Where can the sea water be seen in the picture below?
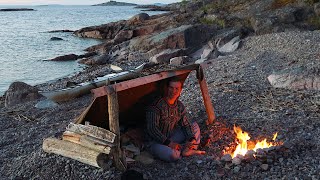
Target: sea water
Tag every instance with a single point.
(25, 42)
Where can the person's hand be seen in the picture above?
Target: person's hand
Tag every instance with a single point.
(174, 146)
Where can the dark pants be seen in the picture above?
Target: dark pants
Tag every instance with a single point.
(165, 153)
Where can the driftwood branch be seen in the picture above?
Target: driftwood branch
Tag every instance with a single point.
(93, 131)
(87, 141)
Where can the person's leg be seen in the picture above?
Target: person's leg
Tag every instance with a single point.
(179, 137)
(164, 152)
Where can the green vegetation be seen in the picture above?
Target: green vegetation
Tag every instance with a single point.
(213, 6)
(315, 21)
(281, 3)
(311, 2)
(184, 2)
(208, 21)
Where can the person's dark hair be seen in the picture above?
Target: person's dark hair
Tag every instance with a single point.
(174, 79)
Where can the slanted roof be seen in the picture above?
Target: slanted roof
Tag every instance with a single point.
(133, 96)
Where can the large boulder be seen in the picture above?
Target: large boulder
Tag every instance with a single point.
(97, 60)
(316, 8)
(68, 57)
(122, 36)
(106, 31)
(166, 55)
(299, 78)
(185, 36)
(20, 92)
(138, 18)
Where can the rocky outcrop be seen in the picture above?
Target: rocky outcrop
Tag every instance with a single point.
(17, 9)
(166, 55)
(107, 31)
(56, 39)
(300, 78)
(68, 57)
(192, 24)
(20, 92)
(139, 18)
(115, 3)
(185, 36)
(97, 60)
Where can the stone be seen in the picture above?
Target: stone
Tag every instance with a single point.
(68, 57)
(20, 92)
(144, 158)
(105, 31)
(177, 61)
(299, 78)
(123, 36)
(264, 166)
(236, 161)
(139, 18)
(316, 8)
(199, 161)
(236, 169)
(185, 36)
(97, 60)
(56, 39)
(226, 158)
(166, 55)
(44, 104)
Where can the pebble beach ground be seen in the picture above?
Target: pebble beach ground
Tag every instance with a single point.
(241, 94)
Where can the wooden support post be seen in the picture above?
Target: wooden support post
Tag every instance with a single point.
(113, 109)
(205, 95)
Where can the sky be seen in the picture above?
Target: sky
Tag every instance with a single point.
(79, 2)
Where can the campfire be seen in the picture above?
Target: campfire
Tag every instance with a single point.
(245, 144)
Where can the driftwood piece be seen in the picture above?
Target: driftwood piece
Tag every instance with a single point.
(205, 95)
(89, 142)
(113, 109)
(75, 151)
(93, 131)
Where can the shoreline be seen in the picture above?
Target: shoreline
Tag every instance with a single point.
(74, 76)
(238, 85)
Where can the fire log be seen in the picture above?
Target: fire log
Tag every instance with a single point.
(93, 131)
(75, 151)
(87, 141)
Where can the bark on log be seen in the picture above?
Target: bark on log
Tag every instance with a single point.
(75, 151)
(205, 95)
(88, 142)
(113, 109)
(93, 131)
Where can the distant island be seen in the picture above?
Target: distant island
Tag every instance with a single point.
(17, 9)
(115, 3)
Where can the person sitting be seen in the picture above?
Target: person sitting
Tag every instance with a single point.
(168, 126)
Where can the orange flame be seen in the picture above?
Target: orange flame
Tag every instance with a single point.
(243, 137)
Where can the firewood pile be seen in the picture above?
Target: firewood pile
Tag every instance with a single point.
(86, 143)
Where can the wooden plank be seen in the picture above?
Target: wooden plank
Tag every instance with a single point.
(87, 141)
(113, 109)
(102, 91)
(93, 131)
(71, 136)
(75, 151)
(205, 95)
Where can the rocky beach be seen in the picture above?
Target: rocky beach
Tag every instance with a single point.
(269, 83)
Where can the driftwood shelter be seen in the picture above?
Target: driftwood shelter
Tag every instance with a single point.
(96, 132)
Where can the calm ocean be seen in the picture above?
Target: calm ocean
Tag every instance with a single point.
(25, 43)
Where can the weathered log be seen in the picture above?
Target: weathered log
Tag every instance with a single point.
(89, 142)
(93, 131)
(75, 151)
(205, 95)
(113, 109)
